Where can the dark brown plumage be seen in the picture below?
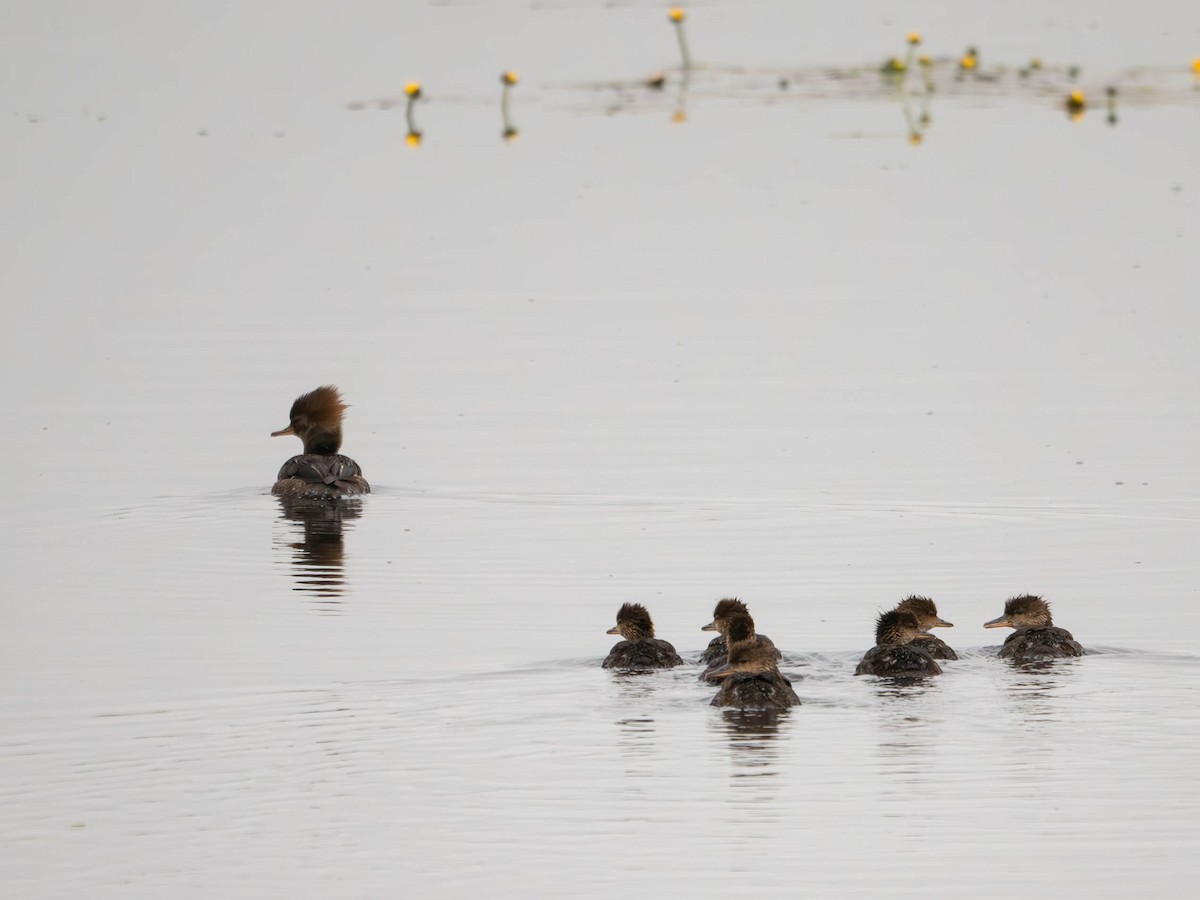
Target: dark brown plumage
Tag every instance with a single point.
(751, 679)
(894, 654)
(717, 651)
(640, 649)
(1036, 636)
(927, 617)
(320, 472)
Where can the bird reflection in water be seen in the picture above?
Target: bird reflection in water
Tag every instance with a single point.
(637, 740)
(903, 688)
(318, 559)
(1035, 688)
(637, 735)
(753, 736)
(909, 734)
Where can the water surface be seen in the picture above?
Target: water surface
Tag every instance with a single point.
(776, 350)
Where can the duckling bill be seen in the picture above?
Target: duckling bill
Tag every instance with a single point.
(751, 679)
(640, 649)
(1036, 635)
(320, 472)
(896, 653)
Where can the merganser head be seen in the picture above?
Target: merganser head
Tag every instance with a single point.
(316, 418)
(633, 623)
(739, 629)
(925, 610)
(721, 613)
(897, 626)
(1026, 611)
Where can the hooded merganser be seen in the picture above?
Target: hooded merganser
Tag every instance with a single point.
(1036, 636)
(717, 651)
(640, 649)
(738, 630)
(927, 617)
(750, 679)
(895, 654)
(320, 472)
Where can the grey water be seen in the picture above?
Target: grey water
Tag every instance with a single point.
(664, 347)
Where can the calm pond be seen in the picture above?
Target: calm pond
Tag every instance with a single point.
(791, 329)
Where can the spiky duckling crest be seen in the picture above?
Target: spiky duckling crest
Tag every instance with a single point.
(726, 608)
(1028, 611)
(925, 610)
(896, 627)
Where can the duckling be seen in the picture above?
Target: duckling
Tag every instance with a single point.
(895, 653)
(927, 617)
(1036, 636)
(717, 650)
(320, 472)
(750, 679)
(739, 632)
(640, 649)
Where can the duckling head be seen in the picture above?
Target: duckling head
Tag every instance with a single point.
(633, 622)
(925, 610)
(721, 613)
(1026, 611)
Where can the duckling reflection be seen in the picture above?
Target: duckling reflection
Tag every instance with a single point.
(1036, 692)
(751, 679)
(754, 740)
(320, 472)
(927, 617)
(637, 739)
(640, 649)
(717, 651)
(318, 559)
(894, 654)
(1036, 636)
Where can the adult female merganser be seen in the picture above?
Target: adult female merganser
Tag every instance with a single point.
(320, 472)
